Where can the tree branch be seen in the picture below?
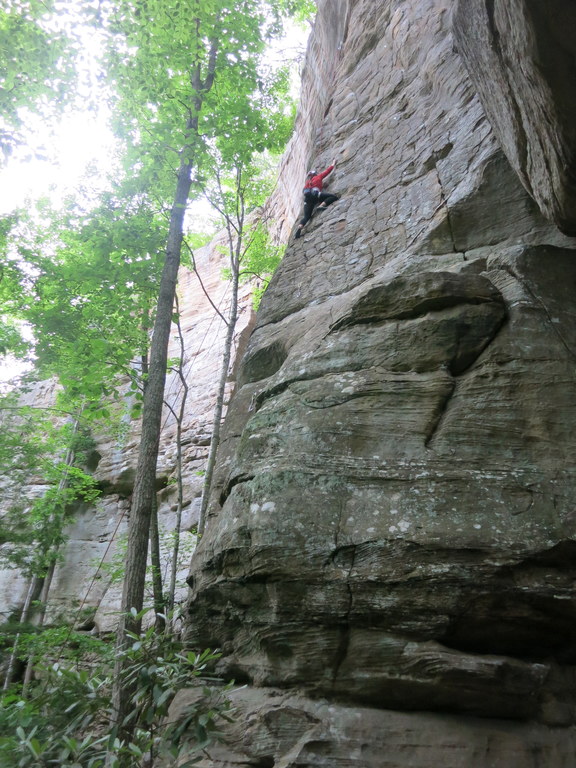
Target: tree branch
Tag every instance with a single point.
(204, 290)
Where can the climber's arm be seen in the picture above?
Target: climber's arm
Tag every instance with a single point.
(327, 171)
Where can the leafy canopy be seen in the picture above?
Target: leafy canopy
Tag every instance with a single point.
(158, 58)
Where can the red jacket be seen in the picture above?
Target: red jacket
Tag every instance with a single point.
(316, 181)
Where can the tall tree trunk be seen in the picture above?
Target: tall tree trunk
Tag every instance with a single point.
(144, 485)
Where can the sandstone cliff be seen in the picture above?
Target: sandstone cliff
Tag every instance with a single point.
(389, 558)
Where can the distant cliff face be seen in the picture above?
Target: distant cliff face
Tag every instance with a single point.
(93, 550)
(391, 552)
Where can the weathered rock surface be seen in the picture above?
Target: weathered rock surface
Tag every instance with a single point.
(522, 59)
(393, 525)
(275, 728)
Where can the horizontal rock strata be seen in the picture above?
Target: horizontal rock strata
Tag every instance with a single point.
(276, 728)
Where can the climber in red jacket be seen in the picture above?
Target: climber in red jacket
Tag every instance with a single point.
(314, 196)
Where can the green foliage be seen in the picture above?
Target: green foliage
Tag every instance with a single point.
(158, 667)
(11, 293)
(86, 281)
(299, 10)
(11, 341)
(246, 187)
(26, 438)
(159, 57)
(62, 643)
(87, 285)
(194, 241)
(47, 728)
(189, 90)
(63, 720)
(32, 446)
(260, 261)
(46, 520)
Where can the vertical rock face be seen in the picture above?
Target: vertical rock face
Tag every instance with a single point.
(522, 59)
(392, 539)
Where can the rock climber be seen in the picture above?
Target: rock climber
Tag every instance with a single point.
(314, 196)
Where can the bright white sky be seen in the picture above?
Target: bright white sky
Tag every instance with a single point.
(56, 157)
(55, 166)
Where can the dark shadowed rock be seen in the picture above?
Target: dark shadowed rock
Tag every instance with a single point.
(521, 56)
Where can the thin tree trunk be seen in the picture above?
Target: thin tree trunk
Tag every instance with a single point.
(158, 597)
(34, 589)
(217, 421)
(179, 421)
(156, 566)
(44, 594)
(235, 245)
(39, 586)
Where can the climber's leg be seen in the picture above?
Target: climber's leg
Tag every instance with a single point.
(326, 199)
(309, 204)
